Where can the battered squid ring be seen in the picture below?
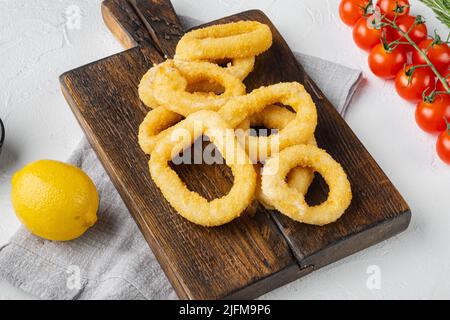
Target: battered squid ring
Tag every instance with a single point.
(292, 203)
(276, 117)
(241, 39)
(145, 88)
(190, 204)
(241, 67)
(157, 124)
(172, 78)
(160, 118)
(298, 178)
(154, 125)
(238, 67)
(298, 130)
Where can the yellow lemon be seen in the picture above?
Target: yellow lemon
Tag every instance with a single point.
(54, 200)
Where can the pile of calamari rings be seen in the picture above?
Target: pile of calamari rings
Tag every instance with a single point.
(202, 87)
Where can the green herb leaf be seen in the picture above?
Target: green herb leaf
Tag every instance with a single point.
(441, 8)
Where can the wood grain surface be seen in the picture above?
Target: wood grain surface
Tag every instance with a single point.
(263, 249)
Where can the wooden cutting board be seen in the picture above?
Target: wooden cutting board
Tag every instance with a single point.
(262, 250)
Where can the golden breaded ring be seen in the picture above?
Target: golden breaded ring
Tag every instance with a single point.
(292, 203)
(298, 178)
(241, 67)
(172, 78)
(272, 117)
(145, 88)
(190, 204)
(160, 118)
(238, 67)
(241, 39)
(153, 126)
(276, 117)
(301, 178)
(298, 130)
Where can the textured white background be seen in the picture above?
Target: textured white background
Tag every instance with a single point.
(36, 47)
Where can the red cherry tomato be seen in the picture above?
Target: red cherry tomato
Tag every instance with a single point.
(440, 86)
(438, 53)
(418, 33)
(411, 86)
(387, 7)
(386, 64)
(351, 10)
(430, 115)
(365, 34)
(443, 146)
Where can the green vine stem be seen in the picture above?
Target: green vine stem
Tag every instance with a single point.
(425, 57)
(416, 47)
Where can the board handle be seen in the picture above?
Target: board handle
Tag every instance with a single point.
(145, 23)
(162, 23)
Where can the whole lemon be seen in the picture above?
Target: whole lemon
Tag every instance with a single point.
(54, 200)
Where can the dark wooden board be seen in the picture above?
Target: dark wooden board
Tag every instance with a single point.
(262, 250)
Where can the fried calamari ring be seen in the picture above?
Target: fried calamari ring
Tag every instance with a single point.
(292, 203)
(160, 118)
(190, 204)
(145, 88)
(241, 67)
(298, 130)
(152, 128)
(276, 117)
(241, 39)
(298, 178)
(273, 117)
(238, 67)
(172, 78)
